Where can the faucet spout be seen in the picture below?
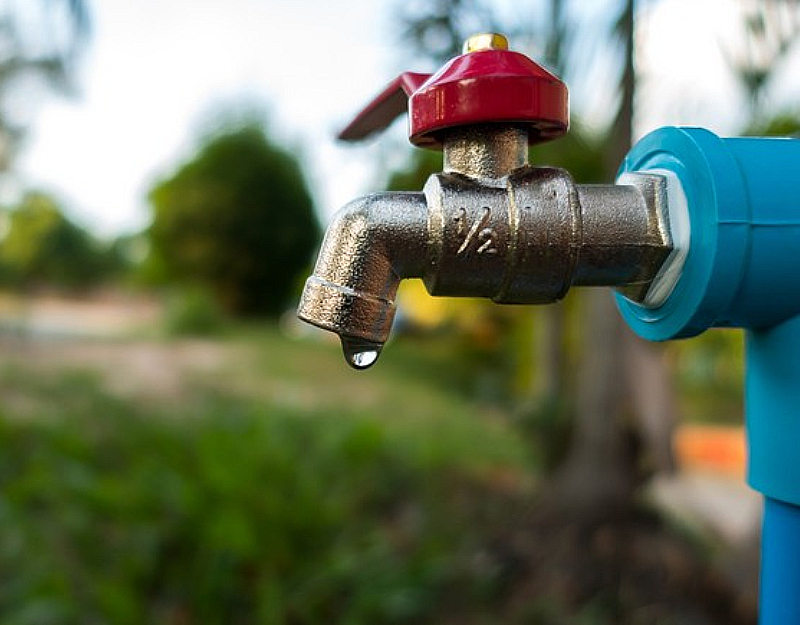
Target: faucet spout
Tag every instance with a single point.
(525, 237)
(371, 244)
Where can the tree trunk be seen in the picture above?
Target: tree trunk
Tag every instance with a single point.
(652, 396)
(549, 346)
(596, 474)
(549, 321)
(605, 465)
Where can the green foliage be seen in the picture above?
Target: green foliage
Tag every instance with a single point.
(412, 177)
(235, 511)
(304, 493)
(708, 373)
(548, 425)
(784, 124)
(580, 152)
(43, 248)
(237, 218)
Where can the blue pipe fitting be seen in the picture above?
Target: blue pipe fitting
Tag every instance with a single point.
(742, 271)
(743, 197)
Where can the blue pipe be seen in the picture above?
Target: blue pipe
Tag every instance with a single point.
(743, 271)
(780, 564)
(772, 409)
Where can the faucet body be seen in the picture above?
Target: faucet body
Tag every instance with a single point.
(489, 225)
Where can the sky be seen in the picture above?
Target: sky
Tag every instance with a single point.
(156, 70)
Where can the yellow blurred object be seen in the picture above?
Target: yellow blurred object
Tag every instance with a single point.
(420, 308)
(426, 312)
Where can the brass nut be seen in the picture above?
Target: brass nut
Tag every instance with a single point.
(485, 41)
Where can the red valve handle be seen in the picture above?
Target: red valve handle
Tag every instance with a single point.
(485, 86)
(385, 108)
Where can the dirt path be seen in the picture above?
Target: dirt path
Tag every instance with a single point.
(135, 369)
(102, 335)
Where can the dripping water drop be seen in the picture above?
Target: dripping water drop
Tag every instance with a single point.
(362, 360)
(360, 354)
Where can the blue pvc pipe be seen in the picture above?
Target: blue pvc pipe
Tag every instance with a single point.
(780, 564)
(743, 271)
(772, 410)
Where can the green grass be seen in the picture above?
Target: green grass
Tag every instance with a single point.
(284, 488)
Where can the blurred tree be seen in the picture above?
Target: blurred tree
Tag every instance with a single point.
(624, 386)
(237, 218)
(544, 381)
(781, 125)
(624, 390)
(596, 473)
(39, 45)
(557, 37)
(41, 247)
(437, 30)
(769, 30)
(583, 157)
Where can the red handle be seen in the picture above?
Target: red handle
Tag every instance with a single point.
(385, 108)
(484, 86)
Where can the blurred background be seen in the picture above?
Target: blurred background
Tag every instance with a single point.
(176, 448)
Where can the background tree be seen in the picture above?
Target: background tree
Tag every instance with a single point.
(597, 472)
(40, 42)
(437, 30)
(582, 155)
(769, 29)
(237, 218)
(42, 248)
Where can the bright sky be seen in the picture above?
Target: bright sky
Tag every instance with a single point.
(155, 68)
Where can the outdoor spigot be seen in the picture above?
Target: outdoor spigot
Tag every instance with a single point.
(489, 225)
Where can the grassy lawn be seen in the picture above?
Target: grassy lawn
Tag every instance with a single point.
(253, 478)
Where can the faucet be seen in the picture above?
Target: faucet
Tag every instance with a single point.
(490, 224)
(698, 232)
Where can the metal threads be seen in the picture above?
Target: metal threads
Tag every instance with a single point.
(489, 151)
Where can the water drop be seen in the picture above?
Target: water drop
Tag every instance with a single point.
(360, 354)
